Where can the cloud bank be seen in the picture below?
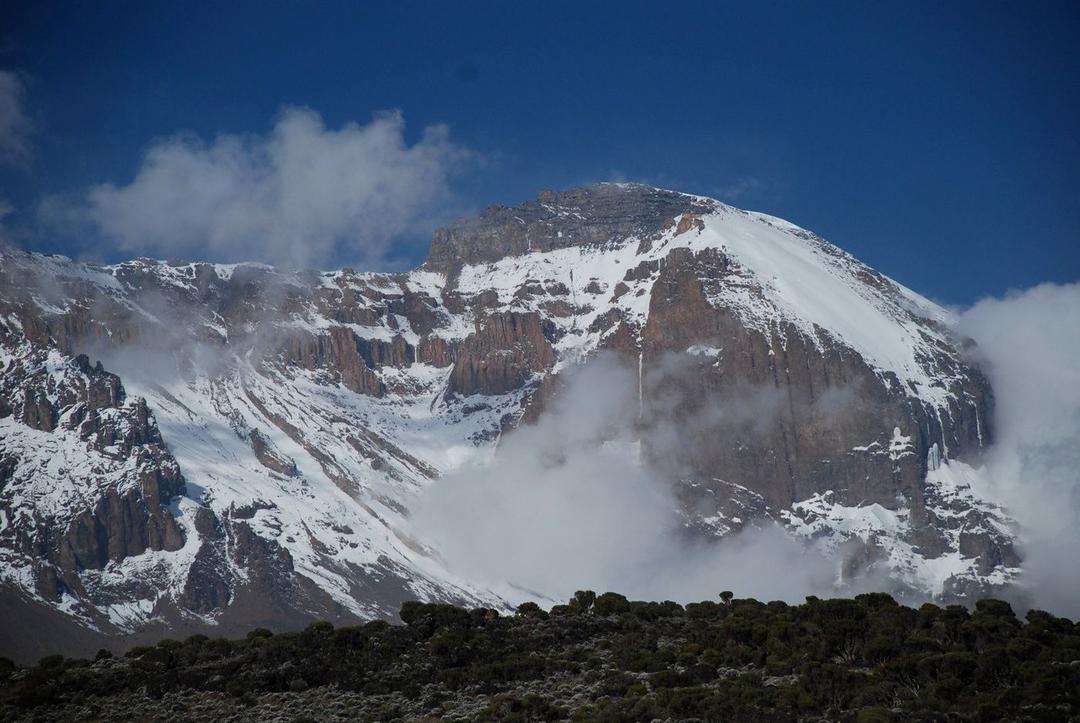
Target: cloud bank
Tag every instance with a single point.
(564, 505)
(15, 125)
(301, 195)
(1029, 345)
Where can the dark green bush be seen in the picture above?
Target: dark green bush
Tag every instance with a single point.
(862, 659)
(611, 603)
(531, 610)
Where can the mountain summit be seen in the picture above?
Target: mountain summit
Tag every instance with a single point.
(247, 449)
(605, 214)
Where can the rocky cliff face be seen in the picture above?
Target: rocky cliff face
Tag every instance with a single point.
(601, 216)
(267, 430)
(86, 479)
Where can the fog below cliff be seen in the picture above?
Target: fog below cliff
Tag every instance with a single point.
(565, 504)
(1029, 345)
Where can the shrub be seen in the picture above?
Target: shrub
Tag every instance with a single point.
(705, 609)
(531, 610)
(319, 629)
(611, 603)
(51, 661)
(426, 618)
(863, 659)
(582, 601)
(877, 600)
(995, 608)
(669, 679)
(875, 715)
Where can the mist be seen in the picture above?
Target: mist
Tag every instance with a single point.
(1029, 345)
(565, 504)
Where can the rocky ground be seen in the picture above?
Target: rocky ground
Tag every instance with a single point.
(596, 658)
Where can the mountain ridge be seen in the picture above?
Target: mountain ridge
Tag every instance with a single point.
(305, 410)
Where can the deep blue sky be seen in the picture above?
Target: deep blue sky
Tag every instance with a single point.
(938, 142)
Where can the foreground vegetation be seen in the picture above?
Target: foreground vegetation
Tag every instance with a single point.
(596, 658)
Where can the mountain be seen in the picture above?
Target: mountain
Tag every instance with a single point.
(247, 448)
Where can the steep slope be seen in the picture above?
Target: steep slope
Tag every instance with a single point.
(281, 497)
(268, 430)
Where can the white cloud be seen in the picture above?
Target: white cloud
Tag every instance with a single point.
(15, 126)
(564, 505)
(303, 194)
(1029, 344)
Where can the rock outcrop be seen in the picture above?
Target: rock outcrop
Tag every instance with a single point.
(86, 470)
(601, 215)
(505, 352)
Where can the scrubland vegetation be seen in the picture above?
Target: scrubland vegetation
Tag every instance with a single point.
(595, 658)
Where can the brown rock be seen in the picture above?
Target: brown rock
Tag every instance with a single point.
(435, 350)
(687, 222)
(554, 220)
(269, 456)
(505, 351)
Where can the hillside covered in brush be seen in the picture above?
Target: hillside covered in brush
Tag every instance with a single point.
(596, 658)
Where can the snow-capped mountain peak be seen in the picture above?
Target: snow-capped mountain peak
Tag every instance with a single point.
(258, 453)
